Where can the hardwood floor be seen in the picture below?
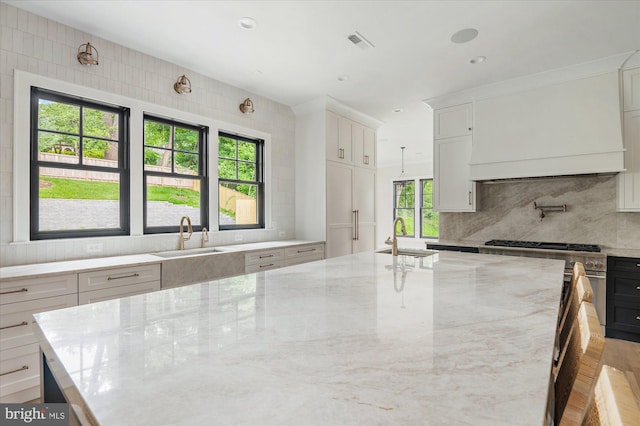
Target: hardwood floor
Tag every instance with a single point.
(624, 356)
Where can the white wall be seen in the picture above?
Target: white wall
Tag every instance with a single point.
(42, 47)
(384, 200)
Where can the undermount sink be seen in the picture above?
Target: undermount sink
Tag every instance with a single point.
(187, 252)
(410, 252)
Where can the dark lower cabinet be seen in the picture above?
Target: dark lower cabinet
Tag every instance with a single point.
(623, 298)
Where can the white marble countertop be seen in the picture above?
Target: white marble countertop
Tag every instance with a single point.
(449, 339)
(79, 265)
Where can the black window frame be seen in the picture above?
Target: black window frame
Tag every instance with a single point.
(396, 197)
(38, 93)
(259, 182)
(202, 175)
(422, 207)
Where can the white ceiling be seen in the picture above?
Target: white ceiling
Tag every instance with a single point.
(300, 48)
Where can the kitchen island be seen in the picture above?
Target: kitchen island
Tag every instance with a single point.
(451, 338)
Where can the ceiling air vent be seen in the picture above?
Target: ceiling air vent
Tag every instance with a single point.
(360, 41)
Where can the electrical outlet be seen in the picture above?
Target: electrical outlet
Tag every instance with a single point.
(238, 237)
(94, 248)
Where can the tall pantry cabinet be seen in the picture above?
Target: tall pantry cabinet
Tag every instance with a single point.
(335, 177)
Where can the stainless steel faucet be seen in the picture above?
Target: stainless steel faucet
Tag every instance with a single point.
(394, 242)
(204, 237)
(189, 229)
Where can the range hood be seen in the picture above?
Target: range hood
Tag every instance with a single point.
(569, 128)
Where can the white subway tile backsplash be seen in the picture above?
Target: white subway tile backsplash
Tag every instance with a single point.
(42, 46)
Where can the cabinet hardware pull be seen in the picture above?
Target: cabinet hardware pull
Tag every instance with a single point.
(14, 325)
(340, 152)
(124, 276)
(22, 290)
(366, 159)
(266, 266)
(469, 197)
(306, 250)
(24, 367)
(355, 225)
(265, 256)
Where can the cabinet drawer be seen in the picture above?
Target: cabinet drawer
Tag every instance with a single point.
(626, 318)
(117, 277)
(12, 291)
(20, 370)
(266, 256)
(117, 292)
(303, 251)
(16, 320)
(626, 264)
(265, 266)
(626, 287)
(304, 259)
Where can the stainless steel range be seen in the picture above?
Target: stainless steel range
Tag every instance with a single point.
(595, 262)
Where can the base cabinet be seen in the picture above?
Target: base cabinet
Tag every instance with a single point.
(19, 351)
(623, 298)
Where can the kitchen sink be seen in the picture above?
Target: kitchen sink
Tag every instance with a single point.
(187, 252)
(410, 252)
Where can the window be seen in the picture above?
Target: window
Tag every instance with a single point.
(429, 222)
(404, 204)
(79, 167)
(175, 179)
(240, 182)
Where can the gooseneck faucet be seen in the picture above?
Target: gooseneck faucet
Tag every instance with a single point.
(189, 229)
(204, 237)
(394, 242)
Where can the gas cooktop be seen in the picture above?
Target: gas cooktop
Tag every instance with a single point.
(544, 246)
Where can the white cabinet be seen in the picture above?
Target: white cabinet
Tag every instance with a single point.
(339, 147)
(629, 180)
(453, 191)
(19, 355)
(631, 89)
(364, 202)
(96, 286)
(364, 145)
(452, 121)
(350, 209)
(335, 176)
(349, 142)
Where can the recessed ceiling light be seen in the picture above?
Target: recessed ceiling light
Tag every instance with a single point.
(343, 78)
(477, 60)
(397, 110)
(247, 23)
(464, 36)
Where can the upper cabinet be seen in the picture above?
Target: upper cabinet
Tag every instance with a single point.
(453, 190)
(631, 89)
(453, 121)
(350, 142)
(629, 180)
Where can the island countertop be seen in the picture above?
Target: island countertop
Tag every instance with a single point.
(452, 338)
